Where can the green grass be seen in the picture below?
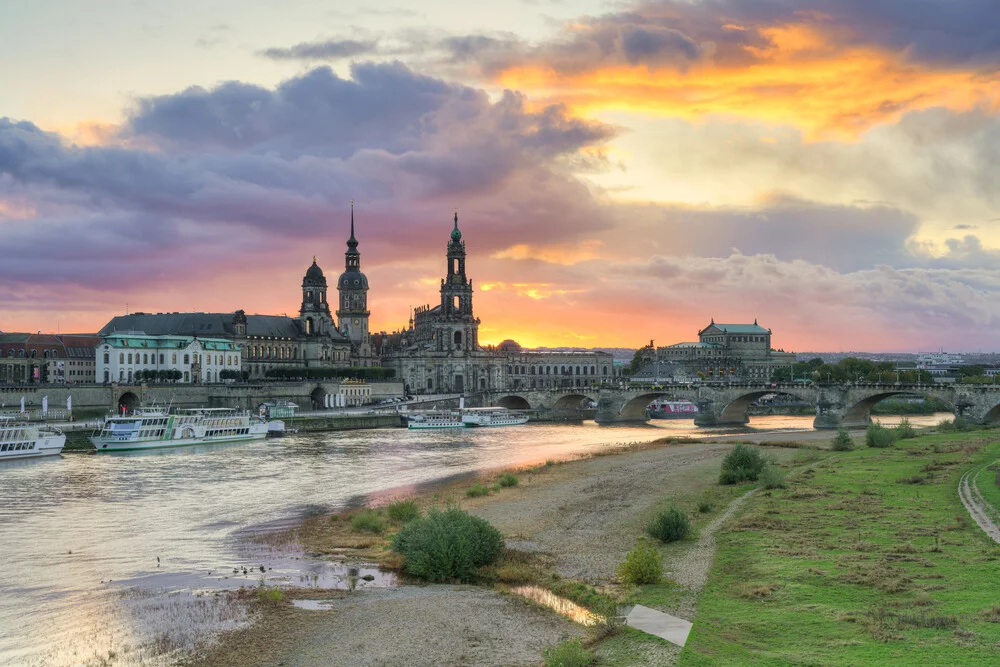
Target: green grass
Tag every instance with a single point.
(507, 480)
(368, 521)
(403, 511)
(477, 490)
(849, 567)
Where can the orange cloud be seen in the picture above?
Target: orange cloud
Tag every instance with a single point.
(802, 75)
(566, 254)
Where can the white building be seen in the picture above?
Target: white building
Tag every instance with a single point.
(120, 356)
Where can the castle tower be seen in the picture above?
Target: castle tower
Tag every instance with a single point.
(315, 311)
(353, 288)
(458, 329)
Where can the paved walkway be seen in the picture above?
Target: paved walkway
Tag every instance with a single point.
(671, 628)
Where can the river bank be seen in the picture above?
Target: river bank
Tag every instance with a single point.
(570, 525)
(867, 557)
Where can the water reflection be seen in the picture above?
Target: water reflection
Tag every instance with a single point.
(79, 532)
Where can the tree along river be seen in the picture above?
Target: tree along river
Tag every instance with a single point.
(116, 559)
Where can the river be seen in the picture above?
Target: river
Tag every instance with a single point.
(115, 559)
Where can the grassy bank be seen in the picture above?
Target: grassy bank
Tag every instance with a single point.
(868, 557)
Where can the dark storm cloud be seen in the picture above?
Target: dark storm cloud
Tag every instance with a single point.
(273, 167)
(332, 49)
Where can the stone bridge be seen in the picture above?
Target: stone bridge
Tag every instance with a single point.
(836, 405)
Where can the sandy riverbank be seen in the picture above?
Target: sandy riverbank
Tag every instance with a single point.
(583, 515)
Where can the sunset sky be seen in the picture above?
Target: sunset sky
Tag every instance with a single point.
(622, 171)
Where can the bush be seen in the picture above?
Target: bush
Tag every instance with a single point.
(448, 545)
(368, 521)
(879, 436)
(705, 507)
(905, 430)
(772, 478)
(669, 526)
(642, 565)
(743, 463)
(508, 480)
(842, 442)
(403, 511)
(568, 654)
(477, 490)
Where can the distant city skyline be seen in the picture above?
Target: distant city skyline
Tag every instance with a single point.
(623, 170)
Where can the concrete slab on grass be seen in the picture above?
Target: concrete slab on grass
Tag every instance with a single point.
(671, 628)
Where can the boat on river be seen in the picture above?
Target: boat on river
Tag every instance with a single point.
(672, 409)
(467, 417)
(21, 440)
(435, 419)
(475, 417)
(150, 428)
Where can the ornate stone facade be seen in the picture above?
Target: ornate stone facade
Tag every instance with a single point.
(440, 351)
(724, 351)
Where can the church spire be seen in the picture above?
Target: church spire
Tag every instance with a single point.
(456, 234)
(352, 242)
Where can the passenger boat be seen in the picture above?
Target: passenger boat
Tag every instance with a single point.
(149, 428)
(672, 409)
(435, 419)
(493, 417)
(20, 440)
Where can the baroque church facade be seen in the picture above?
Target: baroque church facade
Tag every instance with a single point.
(438, 353)
(269, 342)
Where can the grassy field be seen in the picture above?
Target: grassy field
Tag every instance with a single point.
(868, 558)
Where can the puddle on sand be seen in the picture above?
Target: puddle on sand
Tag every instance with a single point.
(561, 606)
(313, 605)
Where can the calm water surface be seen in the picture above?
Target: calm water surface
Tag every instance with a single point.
(80, 583)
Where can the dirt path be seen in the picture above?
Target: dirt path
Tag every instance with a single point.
(982, 512)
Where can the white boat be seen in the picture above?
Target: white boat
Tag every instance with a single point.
(493, 417)
(20, 440)
(148, 428)
(435, 419)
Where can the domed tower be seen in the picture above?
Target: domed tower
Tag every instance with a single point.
(353, 287)
(458, 328)
(315, 311)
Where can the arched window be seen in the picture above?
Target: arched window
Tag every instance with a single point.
(458, 338)
(145, 358)
(593, 370)
(130, 357)
(107, 358)
(604, 370)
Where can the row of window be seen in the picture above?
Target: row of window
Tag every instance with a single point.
(21, 354)
(555, 370)
(220, 359)
(735, 339)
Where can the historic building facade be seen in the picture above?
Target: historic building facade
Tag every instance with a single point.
(440, 351)
(741, 351)
(268, 342)
(124, 357)
(54, 358)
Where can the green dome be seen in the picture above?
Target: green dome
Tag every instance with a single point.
(456, 234)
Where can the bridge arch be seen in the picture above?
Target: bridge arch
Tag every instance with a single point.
(735, 410)
(859, 413)
(571, 402)
(635, 409)
(514, 402)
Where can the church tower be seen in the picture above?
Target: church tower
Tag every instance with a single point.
(315, 311)
(458, 329)
(353, 287)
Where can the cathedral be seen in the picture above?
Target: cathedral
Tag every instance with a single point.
(438, 353)
(267, 342)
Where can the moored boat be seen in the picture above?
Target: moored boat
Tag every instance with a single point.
(20, 440)
(672, 409)
(474, 417)
(149, 428)
(435, 419)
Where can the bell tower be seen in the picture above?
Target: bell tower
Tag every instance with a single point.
(315, 311)
(458, 329)
(352, 314)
